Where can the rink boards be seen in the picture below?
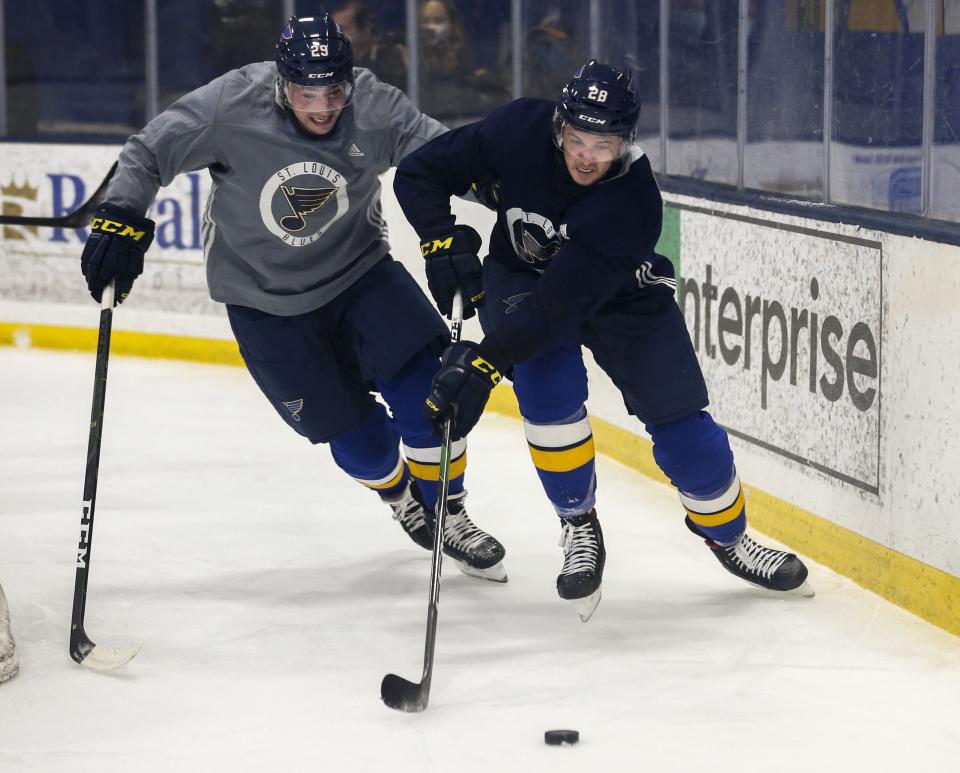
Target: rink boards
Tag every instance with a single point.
(828, 350)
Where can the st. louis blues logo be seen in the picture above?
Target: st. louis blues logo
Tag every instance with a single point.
(513, 302)
(294, 406)
(534, 237)
(301, 201)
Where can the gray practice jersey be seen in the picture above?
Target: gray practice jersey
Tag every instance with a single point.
(291, 220)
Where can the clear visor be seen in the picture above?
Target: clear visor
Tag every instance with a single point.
(588, 147)
(317, 99)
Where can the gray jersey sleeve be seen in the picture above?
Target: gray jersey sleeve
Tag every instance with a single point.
(180, 139)
(409, 127)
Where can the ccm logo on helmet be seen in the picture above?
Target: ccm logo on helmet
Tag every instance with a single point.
(319, 74)
(591, 119)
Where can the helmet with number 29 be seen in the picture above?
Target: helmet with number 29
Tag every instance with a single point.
(314, 65)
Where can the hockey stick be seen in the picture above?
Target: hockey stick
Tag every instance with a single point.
(82, 650)
(397, 692)
(79, 218)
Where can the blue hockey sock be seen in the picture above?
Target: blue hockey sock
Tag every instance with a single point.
(563, 454)
(404, 394)
(370, 454)
(694, 453)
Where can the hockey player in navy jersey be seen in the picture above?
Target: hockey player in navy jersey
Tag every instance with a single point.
(572, 262)
(295, 246)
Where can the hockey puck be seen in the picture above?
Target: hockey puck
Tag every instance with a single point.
(561, 737)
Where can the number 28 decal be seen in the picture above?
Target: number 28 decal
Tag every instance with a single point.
(597, 94)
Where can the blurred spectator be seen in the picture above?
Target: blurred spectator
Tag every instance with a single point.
(549, 55)
(382, 54)
(241, 31)
(451, 88)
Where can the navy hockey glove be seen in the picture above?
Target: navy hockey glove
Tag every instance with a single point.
(114, 250)
(487, 193)
(452, 264)
(461, 387)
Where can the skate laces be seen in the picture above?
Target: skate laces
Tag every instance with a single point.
(410, 513)
(756, 558)
(580, 548)
(461, 533)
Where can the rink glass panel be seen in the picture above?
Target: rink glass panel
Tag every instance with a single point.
(555, 41)
(83, 72)
(945, 203)
(464, 59)
(702, 120)
(784, 149)
(629, 36)
(198, 42)
(74, 69)
(877, 129)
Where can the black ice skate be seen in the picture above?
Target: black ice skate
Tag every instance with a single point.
(475, 552)
(409, 512)
(764, 567)
(584, 556)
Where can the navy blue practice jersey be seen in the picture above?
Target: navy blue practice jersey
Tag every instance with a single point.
(587, 243)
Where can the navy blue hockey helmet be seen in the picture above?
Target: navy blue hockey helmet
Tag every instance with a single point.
(313, 53)
(599, 99)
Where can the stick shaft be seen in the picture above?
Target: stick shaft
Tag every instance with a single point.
(92, 468)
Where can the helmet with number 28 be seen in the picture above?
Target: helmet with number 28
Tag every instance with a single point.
(314, 65)
(601, 100)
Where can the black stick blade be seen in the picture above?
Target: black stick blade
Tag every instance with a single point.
(403, 695)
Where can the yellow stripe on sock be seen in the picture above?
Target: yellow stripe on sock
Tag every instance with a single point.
(432, 471)
(565, 460)
(721, 517)
(390, 483)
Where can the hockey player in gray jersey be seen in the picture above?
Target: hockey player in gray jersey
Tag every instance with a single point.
(295, 246)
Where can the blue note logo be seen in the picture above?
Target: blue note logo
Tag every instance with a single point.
(294, 406)
(302, 200)
(534, 237)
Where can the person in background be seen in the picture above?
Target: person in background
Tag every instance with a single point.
(295, 246)
(381, 54)
(452, 89)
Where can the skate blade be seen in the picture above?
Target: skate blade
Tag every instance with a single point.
(586, 606)
(495, 573)
(805, 589)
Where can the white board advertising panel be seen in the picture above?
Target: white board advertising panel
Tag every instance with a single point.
(787, 324)
(43, 264)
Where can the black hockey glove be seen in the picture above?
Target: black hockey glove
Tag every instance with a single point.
(452, 264)
(461, 388)
(114, 250)
(487, 193)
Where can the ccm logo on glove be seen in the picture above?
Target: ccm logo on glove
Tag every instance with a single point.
(452, 264)
(429, 247)
(103, 225)
(461, 387)
(487, 369)
(114, 250)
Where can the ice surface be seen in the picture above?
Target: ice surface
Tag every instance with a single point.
(271, 594)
